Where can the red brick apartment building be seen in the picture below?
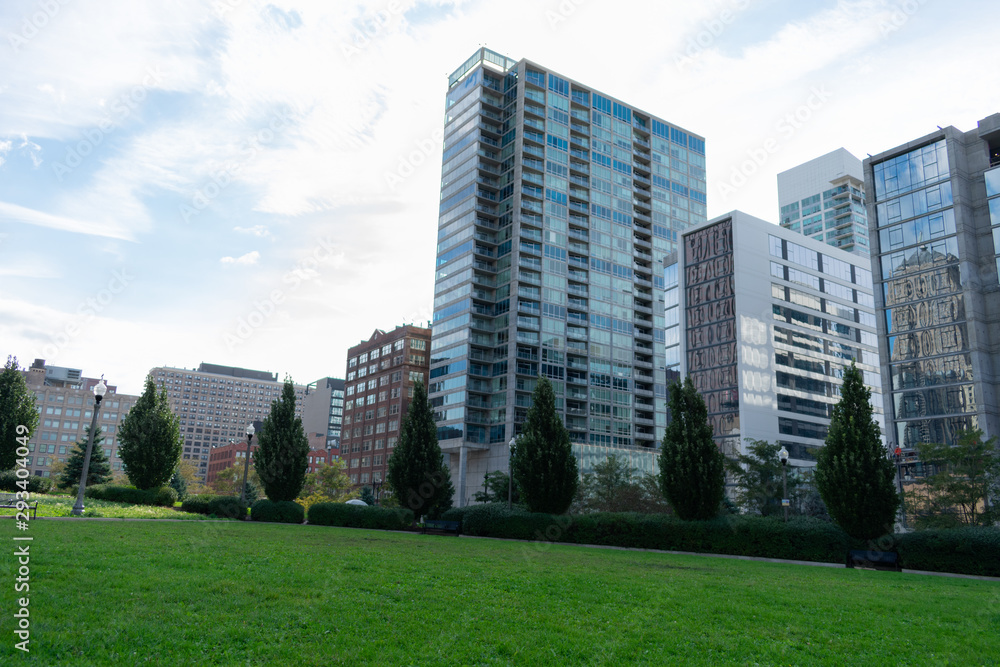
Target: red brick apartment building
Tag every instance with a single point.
(380, 376)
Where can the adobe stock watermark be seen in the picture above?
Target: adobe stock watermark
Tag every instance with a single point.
(35, 23)
(119, 109)
(786, 127)
(265, 308)
(711, 30)
(901, 13)
(221, 179)
(371, 28)
(408, 164)
(87, 311)
(562, 12)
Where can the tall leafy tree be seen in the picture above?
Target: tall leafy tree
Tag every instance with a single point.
(544, 467)
(17, 408)
(99, 470)
(853, 472)
(692, 475)
(150, 440)
(963, 480)
(281, 459)
(758, 476)
(416, 472)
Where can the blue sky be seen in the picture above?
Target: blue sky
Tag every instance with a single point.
(216, 180)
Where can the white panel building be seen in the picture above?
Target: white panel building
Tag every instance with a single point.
(764, 321)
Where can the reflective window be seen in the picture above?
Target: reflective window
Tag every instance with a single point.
(912, 170)
(934, 371)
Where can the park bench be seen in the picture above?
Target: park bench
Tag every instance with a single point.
(442, 527)
(874, 560)
(9, 501)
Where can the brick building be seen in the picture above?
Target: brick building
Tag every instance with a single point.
(379, 382)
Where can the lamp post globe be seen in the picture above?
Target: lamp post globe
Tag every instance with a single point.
(100, 389)
(246, 463)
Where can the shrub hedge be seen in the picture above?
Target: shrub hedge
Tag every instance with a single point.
(225, 507)
(961, 551)
(162, 497)
(9, 480)
(284, 511)
(357, 516)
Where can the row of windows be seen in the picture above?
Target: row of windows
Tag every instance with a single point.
(415, 344)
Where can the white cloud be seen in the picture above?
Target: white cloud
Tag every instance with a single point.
(249, 258)
(257, 230)
(20, 214)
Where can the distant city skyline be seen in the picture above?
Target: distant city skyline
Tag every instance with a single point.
(257, 185)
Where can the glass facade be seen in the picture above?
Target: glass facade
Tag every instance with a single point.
(558, 205)
(930, 368)
(833, 208)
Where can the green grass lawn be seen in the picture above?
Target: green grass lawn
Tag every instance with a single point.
(61, 505)
(234, 593)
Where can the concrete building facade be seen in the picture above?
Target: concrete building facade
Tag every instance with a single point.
(824, 199)
(934, 218)
(65, 401)
(558, 204)
(380, 375)
(215, 403)
(764, 321)
(323, 413)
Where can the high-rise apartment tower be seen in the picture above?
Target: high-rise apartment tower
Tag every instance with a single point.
(558, 205)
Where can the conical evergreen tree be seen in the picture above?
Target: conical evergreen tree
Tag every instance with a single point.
(853, 472)
(18, 416)
(99, 470)
(692, 469)
(545, 469)
(150, 440)
(415, 471)
(281, 459)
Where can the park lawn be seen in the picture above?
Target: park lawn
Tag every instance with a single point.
(227, 593)
(61, 505)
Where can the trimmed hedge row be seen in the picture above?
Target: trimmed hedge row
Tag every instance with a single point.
(284, 511)
(161, 497)
(800, 539)
(962, 551)
(356, 516)
(36, 484)
(225, 507)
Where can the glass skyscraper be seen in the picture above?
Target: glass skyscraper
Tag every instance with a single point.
(558, 206)
(934, 215)
(824, 199)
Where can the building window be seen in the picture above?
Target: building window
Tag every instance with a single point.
(394, 425)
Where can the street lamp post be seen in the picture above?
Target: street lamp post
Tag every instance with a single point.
(783, 455)
(246, 465)
(99, 390)
(510, 471)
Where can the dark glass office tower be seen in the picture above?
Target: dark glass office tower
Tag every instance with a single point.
(934, 217)
(558, 205)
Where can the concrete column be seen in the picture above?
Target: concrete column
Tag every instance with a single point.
(463, 460)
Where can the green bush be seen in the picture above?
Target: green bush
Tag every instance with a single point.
(968, 550)
(358, 516)
(284, 511)
(197, 504)
(226, 507)
(162, 497)
(9, 480)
